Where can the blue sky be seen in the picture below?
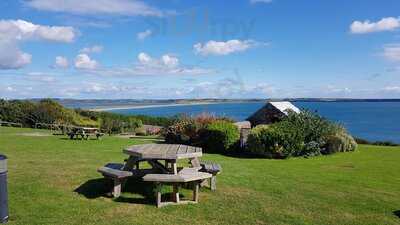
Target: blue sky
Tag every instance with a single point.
(199, 49)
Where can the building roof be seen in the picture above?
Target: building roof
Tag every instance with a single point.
(285, 107)
(272, 112)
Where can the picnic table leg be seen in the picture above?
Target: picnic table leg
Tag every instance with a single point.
(213, 183)
(196, 192)
(174, 167)
(175, 194)
(158, 194)
(130, 163)
(137, 165)
(117, 188)
(167, 164)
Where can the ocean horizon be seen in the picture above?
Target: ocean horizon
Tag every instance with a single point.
(373, 121)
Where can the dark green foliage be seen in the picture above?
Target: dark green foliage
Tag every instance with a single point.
(50, 112)
(267, 141)
(312, 148)
(148, 120)
(140, 131)
(183, 131)
(205, 130)
(379, 143)
(299, 134)
(220, 136)
(112, 123)
(155, 120)
(275, 141)
(46, 111)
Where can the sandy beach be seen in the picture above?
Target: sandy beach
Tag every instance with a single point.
(99, 109)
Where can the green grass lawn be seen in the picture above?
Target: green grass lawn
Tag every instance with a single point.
(349, 188)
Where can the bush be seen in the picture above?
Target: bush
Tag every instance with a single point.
(273, 141)
(340, 142)
(220, 136)
(140, 131)
(44, 111)
(312, 148)
(379, 143)
(266, 141)
(112, 123)
(299, 134)
(186, 130)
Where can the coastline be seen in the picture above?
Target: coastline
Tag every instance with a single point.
(102, 109)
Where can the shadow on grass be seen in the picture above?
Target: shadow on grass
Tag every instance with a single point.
(243, 155)
(397, 213)
(102, 187)
(95, 188)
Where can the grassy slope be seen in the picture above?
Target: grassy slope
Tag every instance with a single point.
(351, 188)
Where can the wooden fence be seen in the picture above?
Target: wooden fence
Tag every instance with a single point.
(10, 124)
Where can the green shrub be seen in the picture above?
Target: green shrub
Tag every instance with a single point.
(273, 141)
(340, 142)
(140, 131)
(299, 134)
(44, 111)
(183, 131)
(312, 148)
(220, 136)
(379, 143)
(186, 130)
(310, 126)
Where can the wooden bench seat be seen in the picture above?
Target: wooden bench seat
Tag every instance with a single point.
(211, 167)
(179, 178)
(214, 169)
(186, 175)
(115, 172)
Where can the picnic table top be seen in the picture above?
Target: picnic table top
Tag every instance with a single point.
(163, 151)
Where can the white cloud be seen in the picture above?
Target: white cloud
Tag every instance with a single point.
(331, 89)
(61, 62)
(167, 64)
(260, 1)
(170, 61)
(224, 48)
(83, 61)
(93, 49)
(21, 30)
(97, 7)
(11, 57)
(95, 88)
(392, 52)
(392, 89)
(41, 77)
(385, 24)
(143, 35)
(10, 89)
(12, 32)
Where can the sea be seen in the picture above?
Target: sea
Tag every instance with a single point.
(373, 121)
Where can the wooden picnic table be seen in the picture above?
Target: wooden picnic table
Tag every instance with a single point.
(84, 132)
(161, 173)
(152, 153)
